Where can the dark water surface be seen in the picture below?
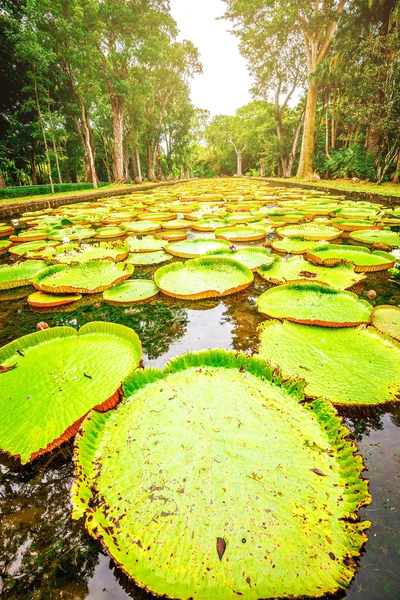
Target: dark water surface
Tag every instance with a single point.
(44, 554)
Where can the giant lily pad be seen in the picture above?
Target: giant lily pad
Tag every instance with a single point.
(297, 269)
(213, 480)
(43, 300)
(20, 274)
(58, 375)
(194, 248)
(351, 366)
(208, 224)
(31, 247)
(70, 254)
(149, 243)
(385, 238)
(130, 292)
(206, 277)
(4, 246)
(354, 224)
(314, 304)
(386, 318)
(242, 233)
(294, 245)
(142, 226)
(71, 233)
(252, 256)
(310, 231)
(86, 278)
(363, 260)
(149, 258)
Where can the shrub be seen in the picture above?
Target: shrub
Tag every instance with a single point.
(35, 190)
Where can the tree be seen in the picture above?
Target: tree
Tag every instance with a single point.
(316, 22)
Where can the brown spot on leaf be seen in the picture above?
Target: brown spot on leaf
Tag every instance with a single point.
(318, 472)
(221, 546)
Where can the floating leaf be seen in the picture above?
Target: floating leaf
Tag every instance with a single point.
(200, 483)
(86, 278)
(357, 366)
(44, 400)
(314, 304)
(207, 277)
(363, 260)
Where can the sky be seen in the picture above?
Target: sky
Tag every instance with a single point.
(224, 85)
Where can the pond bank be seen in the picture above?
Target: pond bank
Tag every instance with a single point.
(349, 194)
(15, 208)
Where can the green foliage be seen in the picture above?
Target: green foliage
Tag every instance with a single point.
(38, 190)
(354, 161)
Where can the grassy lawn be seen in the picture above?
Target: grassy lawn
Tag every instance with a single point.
(386, 189)
(83, 193)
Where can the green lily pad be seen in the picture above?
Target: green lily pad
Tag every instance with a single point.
(242, 233)
(386, 318)
(59, 375)
(86, 278)
(70, 254)
(350, 366)
(6, 230)
(141, 226)
(294, 245)
(213, 480)
(314, 304)
(148, 258)
(194, 248)
(149, 243)
(176, 224)
(31, 247)
(4, 246)
(71, 233)
(206, 277)
(298, 269)
(110, 232)
(353, 224)
(20, 274)
(43, 300)
(208, 224)
(29, 236)
(252, 256)
(309, 231)
(130, 292)
(383, 238)
(363, 260)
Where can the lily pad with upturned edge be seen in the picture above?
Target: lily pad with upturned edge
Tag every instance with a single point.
(213, 479)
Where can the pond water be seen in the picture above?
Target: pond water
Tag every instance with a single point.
(44, 554)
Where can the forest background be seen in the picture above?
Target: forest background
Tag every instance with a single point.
(98, 91)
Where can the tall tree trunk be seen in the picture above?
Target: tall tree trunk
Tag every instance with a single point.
(262, 167)
(137, 170)
(127, 174)
(327, 146)
(86, 137)
(295, 143)
(118, 137)
(305, 170)
(239, 163)
(333, 120)
(42, 128)
(32, 161)
(57, 161)
(151, 175)
(2, 182)
(396, 178)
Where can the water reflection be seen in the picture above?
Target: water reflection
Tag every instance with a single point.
(41, 547)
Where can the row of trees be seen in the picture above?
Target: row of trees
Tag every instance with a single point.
(344, 56)
(95, 90)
